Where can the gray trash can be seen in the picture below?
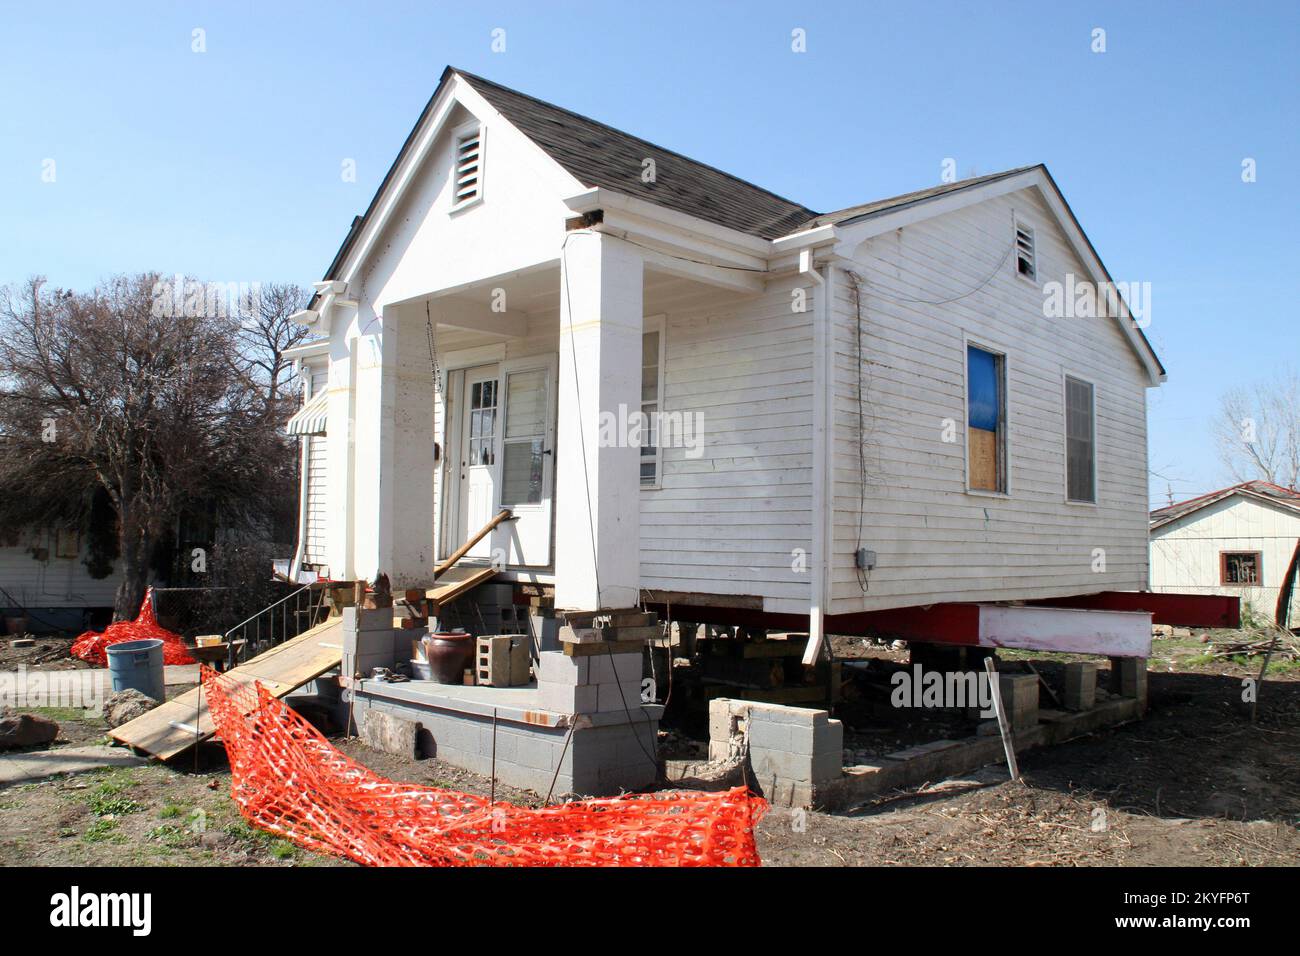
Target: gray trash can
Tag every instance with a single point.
(138, 664)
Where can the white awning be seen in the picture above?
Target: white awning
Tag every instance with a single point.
(310, 419)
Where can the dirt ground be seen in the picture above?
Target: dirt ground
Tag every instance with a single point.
(1194, 784)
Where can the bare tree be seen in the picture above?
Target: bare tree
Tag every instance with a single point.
(106, 389)
(1258, 431)
(265, 334)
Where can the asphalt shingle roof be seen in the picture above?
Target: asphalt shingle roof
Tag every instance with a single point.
(1284, 496)
(600, 155)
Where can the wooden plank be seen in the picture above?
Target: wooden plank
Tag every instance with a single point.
(183, 721)
(674, 599)
(456, 582)
(984, 459)
(500, 516)
(602, 647)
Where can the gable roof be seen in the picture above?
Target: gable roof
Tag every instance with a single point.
(1264, 491)
(599, 155)
(894, 203)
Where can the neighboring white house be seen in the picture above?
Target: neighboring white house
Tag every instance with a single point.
(43, 571)
(884, 379)
(1238, 540)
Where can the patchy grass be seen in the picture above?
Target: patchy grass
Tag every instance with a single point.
(61, 714)
(278, 848)
(103, 831)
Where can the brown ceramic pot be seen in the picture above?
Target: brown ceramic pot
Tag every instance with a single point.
(450, 653)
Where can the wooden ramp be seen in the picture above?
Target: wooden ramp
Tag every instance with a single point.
(182, 722)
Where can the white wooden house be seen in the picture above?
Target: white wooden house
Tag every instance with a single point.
(1237, 541)
(43, 571)
(862, 410)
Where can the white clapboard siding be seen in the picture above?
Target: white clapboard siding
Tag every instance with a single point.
(934, 541)
(1185, 553)
(731, 519)
(317, 532)
(54, 582)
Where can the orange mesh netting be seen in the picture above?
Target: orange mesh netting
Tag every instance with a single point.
(288, 779)
(91, 645)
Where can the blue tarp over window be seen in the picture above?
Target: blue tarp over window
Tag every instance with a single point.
(982, 388)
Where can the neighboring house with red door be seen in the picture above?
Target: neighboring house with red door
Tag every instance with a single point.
(866, 409)
(1238, 540)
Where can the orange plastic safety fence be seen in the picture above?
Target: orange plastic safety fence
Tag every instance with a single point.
(289, 780)
(91, 646)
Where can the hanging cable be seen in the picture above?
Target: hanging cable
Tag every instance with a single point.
(433, 350)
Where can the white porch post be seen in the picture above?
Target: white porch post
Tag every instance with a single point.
(407, 472)
(598, 497)
(340, 473)
(372, 444)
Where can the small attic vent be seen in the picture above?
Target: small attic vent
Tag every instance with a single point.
(1025, 264)
(469, 168)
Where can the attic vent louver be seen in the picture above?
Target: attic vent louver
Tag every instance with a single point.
(1025, 264)
(469, 168)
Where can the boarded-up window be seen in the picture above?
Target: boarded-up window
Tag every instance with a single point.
(986, 420)
(1080, 442)
(1240, 567)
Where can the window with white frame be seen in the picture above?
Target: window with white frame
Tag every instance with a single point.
(986, 420)
(1080, 441)
(652, 388)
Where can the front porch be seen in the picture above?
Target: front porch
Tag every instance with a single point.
(521, 391)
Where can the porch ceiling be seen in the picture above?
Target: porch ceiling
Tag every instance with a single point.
(536, 295)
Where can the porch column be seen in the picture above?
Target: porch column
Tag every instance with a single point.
(370, 443)
(598, 484)
(407, 470)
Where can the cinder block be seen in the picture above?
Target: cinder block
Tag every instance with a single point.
(618, 696)
(569, 698)
(1128, 678)
(389, 733)
(1080, 685)
(1019, 699)
(556, 667)
(782, 714)
(521, 659)
(781, 764)
(827, 766)
(609, 667)
(363, 619)
(492, 660)
(767, 735)
(722, 726)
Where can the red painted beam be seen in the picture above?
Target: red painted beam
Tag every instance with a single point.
(1180, 610)
(936, 624)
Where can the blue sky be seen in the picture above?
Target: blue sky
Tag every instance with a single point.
(226, 164)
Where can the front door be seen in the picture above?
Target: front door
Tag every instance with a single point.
(478, 456)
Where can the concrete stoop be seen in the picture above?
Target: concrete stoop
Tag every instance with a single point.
(581, 728)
